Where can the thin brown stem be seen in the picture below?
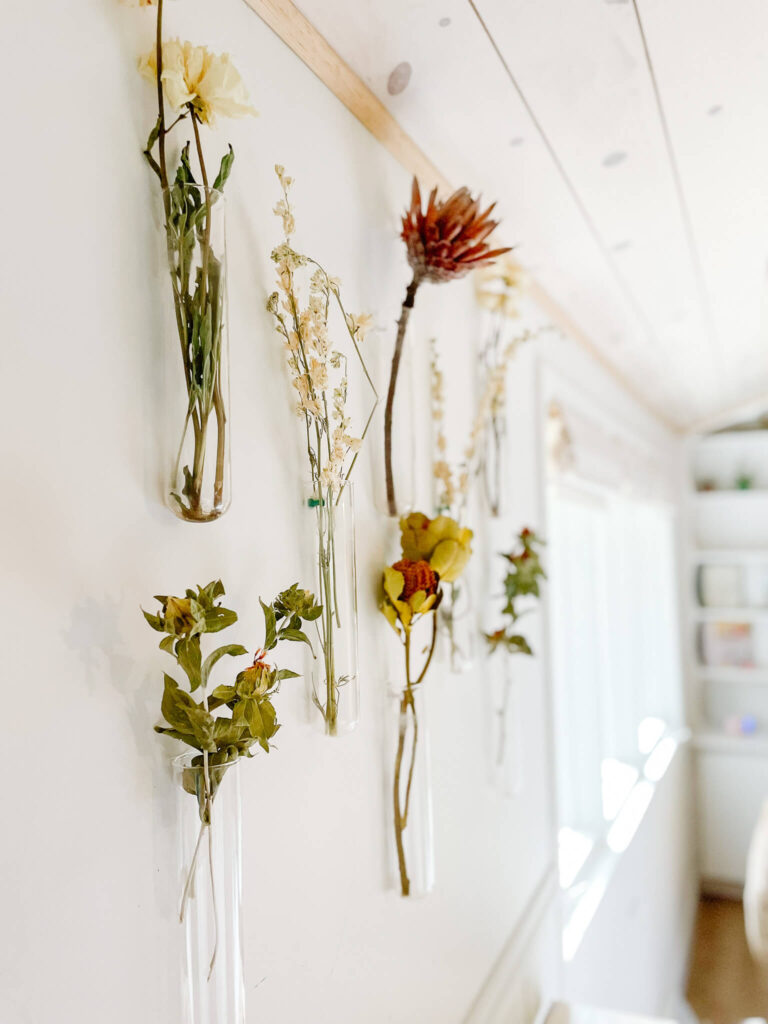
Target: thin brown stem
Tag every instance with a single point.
(207, 229)
(161, 99)
(408, 704)
(405, 883)
(405, 312)
(414, 717)
(431, 651)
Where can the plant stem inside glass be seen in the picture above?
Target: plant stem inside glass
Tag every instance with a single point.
(199, 487)
(458, 620)
(335, 684)
(411, 796)
(210, 862)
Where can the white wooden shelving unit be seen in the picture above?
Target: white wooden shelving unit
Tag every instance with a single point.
(728, 587)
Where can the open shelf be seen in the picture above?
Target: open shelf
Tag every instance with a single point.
(713, 741)
(733, 674)
(750, 494)
(727, 555)
(730, 614)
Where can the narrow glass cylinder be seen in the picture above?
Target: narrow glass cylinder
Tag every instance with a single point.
(197, 393)
(495, 463)
(507, 726)
(459, 628)
(210, 883)
(411, 828)
(334, 680)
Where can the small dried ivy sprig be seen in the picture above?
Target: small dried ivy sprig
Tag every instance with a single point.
(319, 376)
(522, 580)
(223, 738)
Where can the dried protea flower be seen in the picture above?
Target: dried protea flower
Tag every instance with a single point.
(448, 239)
(444, 243)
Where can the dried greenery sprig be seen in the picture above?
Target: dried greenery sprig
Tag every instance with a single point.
(434, 551)
(523, 579)
(444, 243)
(488, 426)
(198, 85)
(499, 289)
(246, 715)
(319, 375)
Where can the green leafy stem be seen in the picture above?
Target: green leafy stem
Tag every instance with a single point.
(522, 580)
(198, 298)
(245, 713)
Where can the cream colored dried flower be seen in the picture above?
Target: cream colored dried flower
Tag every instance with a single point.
(359, 324)
(498, 287)
(318, 369)
(193, 76)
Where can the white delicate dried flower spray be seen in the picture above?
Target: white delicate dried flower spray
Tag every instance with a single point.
(453, 486)
(318, 369)
(498, 287)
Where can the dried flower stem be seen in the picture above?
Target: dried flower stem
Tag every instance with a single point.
(401, 805)
(320, 376)
(405, 312)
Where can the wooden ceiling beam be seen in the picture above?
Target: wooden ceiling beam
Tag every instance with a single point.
(301, 36)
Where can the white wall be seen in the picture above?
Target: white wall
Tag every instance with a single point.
(87, 868)
(87, 872)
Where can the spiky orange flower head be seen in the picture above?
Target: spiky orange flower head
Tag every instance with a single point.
(448, 239)
(417, 576)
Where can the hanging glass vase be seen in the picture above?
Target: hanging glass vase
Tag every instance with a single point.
(506, 724)
(210, 881)
(495, 462)
(459, 628)
(411, 825)
(197, 392)
(334, 682)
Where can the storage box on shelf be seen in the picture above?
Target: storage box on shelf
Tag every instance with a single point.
(728, 615)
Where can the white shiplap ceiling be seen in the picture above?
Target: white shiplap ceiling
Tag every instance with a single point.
(627, 144)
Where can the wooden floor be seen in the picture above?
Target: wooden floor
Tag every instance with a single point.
(725, 985)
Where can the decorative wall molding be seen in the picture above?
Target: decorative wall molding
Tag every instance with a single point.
(300, 35)
(519, 985)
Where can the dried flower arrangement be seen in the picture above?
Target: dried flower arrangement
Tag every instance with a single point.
(246, 715)
(523, 579)
(499, 290)
(198, 86)
(453, 486)
(318, 369)
(434, 552)
(443, 243)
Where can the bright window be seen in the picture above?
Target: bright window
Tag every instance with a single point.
(616, 665)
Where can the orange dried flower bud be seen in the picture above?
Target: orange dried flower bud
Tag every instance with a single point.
(418, 576)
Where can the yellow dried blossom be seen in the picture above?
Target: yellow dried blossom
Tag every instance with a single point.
(193, 76)
(439, 541)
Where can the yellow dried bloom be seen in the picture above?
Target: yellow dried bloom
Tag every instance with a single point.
(192, 75)
(440, 541)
